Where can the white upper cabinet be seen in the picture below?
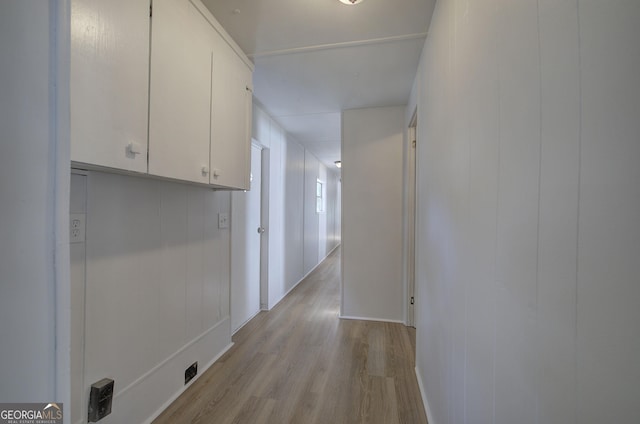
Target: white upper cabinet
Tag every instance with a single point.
(109, 83)
(167, 95)
(180, 92)
(230, 118)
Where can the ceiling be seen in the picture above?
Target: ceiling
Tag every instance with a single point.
(315, 58)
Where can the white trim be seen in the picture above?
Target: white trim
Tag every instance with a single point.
(371, 319)
(302, 279)
(186, 386)
(423, 394)
(60, 49)
(291, 289)
(256, 143)
(331, 251)
(233, 332)
(408, 215)
(140, 379)
(357, 43)
(223, 33)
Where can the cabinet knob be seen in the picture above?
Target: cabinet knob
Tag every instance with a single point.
(134, 148)
(216, 173)
(205, 171)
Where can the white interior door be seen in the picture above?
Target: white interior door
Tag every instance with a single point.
(245, 247)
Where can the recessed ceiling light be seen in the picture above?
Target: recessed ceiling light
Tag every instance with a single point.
(350, 2)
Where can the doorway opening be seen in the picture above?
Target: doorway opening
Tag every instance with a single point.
(246, 241)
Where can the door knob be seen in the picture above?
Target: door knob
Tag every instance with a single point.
(261, 230)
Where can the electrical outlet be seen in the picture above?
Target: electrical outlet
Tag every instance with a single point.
(190, 372)
(100, 399)
(77, 227)
(223, 220)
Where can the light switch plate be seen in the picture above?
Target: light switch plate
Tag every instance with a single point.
(76, 227)
(223, 220)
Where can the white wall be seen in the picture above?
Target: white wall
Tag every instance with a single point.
(527, 276)
(293, 214)
(372, 143)
(322, 217)
(329, 221)
(34, 202)
(246, 245)
(334, 210)
(298, 237)
(78, 260)
(276, 225)
(156, 288)
(311, 216)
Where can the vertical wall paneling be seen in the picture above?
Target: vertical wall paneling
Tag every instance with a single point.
(298, 237)
(333, 212)
(527, 208)
(323, 216)
(30, 199)
(78, 205)
(293, 214)
(372, 220)
(431, 213)
(311, 216)
(276, 226)
(261, 126)
(518, 197)
(157, 287)
(557, 249)
(608, 335)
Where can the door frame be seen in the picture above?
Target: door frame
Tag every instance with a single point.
(409, 227)
(246, 245)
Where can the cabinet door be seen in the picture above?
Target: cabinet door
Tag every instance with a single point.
(230, 118)
(109, 83)
(180, 92)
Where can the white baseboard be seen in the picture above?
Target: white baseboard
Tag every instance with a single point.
(148, 396)
(301, 280)
(246, 322)
(331, 251)
(423, 394)
(370, 319)
(285, 295)
(183, 389)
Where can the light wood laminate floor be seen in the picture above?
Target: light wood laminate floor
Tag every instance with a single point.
(300, 363)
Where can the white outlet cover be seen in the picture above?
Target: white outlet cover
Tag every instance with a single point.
(223, 220)
(77, 227)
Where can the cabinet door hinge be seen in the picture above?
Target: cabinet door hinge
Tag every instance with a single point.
(412, 300)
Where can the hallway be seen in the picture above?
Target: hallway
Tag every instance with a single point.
(299, 363)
